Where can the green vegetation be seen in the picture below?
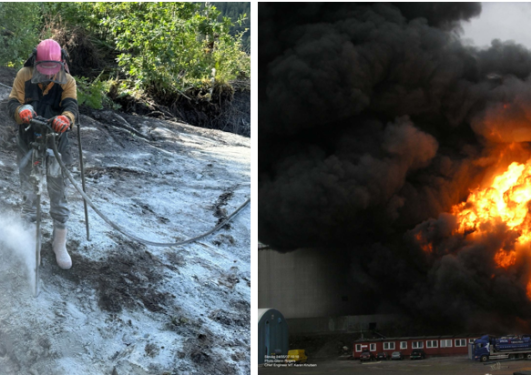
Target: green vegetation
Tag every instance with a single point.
(235, 11)
(19, 32)
(94, 94)
(169, 46)
(162, 50)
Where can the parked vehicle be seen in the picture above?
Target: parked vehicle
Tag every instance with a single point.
(510, 346)
(366, 356)
(297, 356)
(417, 354)
(382, 356)
(397, 355)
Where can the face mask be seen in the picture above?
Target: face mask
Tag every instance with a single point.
(49, 71)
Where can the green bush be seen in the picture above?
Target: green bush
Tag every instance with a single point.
(94, 94)
(169, 47)
(20, 26)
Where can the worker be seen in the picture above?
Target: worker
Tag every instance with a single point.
(44, 87)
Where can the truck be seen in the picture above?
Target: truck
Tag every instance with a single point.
(492, 347)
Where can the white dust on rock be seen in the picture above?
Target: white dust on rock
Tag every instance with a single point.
(152, 189)
(17, 245)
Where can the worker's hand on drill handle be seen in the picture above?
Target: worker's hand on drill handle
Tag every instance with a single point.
(60, 123)
(26, 113)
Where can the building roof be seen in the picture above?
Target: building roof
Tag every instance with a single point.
(262, 312)
(379, 339)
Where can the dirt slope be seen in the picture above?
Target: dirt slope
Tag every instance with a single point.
(125, 308)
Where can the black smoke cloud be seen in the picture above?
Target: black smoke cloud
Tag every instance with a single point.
(375, 119)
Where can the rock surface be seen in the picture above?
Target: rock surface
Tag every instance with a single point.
(126, 308)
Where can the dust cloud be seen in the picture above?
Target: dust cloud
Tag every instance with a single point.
(17, 247)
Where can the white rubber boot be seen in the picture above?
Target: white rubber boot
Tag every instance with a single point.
(59, 248)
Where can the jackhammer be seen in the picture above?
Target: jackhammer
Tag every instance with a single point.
(44, 163)
(37, 175)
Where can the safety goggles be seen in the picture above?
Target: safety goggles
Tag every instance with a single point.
(49, 71)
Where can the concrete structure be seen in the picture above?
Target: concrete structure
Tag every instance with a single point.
(272, 334)
(309, 283)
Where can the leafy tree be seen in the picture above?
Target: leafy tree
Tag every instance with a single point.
(20, 26)
(238, 11)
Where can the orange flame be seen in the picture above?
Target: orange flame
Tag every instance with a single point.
(424, 244)
(505, 259)
(505, 200)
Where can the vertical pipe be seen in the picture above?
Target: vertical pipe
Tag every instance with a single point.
(82, 169)
(38, 243)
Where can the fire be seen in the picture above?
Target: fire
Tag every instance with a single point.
(506, 201)
(504, 205)
(424, 244)
(505, 259)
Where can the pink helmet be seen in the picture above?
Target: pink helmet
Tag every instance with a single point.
(48, 50)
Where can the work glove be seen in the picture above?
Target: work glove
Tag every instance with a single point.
(26, 113)
(60, 124)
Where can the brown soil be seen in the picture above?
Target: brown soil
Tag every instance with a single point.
(226, 109)
(85, 59)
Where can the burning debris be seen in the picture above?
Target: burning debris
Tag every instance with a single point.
(384, 135)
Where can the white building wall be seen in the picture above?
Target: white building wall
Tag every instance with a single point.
(305, 283)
